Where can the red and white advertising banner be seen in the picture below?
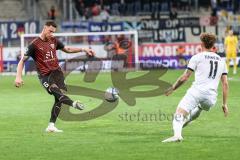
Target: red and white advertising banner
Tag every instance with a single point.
(170, 55)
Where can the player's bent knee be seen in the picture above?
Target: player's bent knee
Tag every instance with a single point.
(53, 85)
(56, 91)
(178, 117)
(181, 111)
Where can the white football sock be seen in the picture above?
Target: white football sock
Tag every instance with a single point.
(178, 124)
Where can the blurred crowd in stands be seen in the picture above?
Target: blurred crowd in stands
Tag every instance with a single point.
(90, 8)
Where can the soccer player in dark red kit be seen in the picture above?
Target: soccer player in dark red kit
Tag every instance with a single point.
(43, 51)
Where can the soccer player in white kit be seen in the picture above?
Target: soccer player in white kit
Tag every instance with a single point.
(209, 69)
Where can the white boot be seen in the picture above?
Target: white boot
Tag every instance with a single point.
(173, 139)
(51, 128)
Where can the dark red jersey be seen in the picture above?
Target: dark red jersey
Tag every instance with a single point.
(44, 54)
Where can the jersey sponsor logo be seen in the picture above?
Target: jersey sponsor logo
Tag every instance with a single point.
(168, 49)
(49, 55)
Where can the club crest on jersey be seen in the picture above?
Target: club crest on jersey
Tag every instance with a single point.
(52, 46)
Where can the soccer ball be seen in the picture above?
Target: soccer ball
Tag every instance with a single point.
(111, 94)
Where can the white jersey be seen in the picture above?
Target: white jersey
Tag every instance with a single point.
(208, 68)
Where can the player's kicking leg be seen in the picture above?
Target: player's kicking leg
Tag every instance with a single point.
(60, 99)
(55, 112)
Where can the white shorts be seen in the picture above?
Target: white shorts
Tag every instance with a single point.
(194, 98)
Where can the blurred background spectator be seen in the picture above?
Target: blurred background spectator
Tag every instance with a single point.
(52, 13)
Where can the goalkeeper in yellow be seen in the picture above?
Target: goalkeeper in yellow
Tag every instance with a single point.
(231, 46)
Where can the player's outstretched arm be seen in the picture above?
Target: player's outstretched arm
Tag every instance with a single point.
(89, 51)
(18, 80)
(181, 80)
(225, 94)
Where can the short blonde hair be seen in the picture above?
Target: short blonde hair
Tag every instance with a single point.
(208, 40)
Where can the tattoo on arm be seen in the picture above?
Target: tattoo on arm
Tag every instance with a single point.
(178, 83)
(182, 79)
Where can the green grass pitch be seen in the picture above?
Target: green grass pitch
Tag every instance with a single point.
(24, 115)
